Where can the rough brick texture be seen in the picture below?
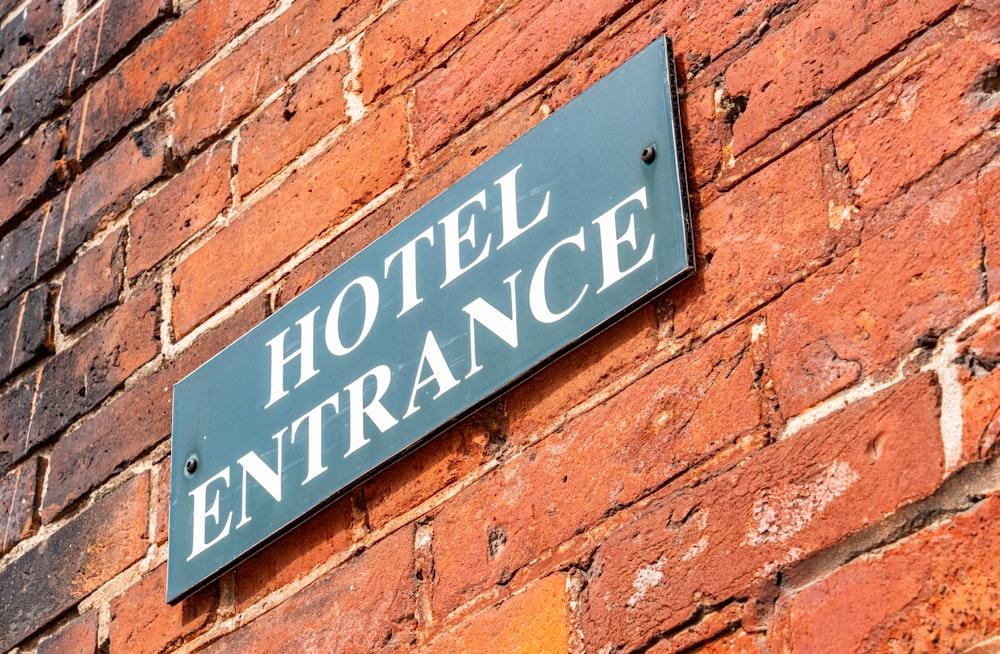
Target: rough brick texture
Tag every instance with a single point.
(794, 450)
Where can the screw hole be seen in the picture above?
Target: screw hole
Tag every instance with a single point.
(648, 154)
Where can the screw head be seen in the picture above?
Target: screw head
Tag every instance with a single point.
(191, 465)
(648, 154)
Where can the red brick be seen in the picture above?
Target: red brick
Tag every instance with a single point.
(117, 434)
(981, 393)
(25, 329)
(18, 489)
(93, 282)
(28, 32)
(307, 111)
(989, 196)
(157, 67)
(189, 202)
(500, 61)
(15, 419)
(77, 637)
(162, 503)
(364, 605)
(365, 161)
(857, 316)
(947, 100)
(441, 462)
(29, 170)
(237, 84)
(70, 64)
(663, 424)
(935, 591)
(824, 47)
(80, 557)
(534, 621)
(77, 379)
(296, 554)
(401, 41)
(143, 623)
(54, 231)
(750, 250)
(702, 633)
(708, 543)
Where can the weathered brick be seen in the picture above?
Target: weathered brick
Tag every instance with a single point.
(54, 231)
(93, 282)
(933, 592)
(162, 528)
(989, 195)
(663, 424)
(157, 67)
(857, 316)
(15, 419)
(702, 633)
(948, 100)
(372, 597)
(829, 44)
(500, 61)
(365, 161)
(28, 32)
(402, 40)
(76, 379)
(296, 554)
(70, 64)
(430, 469)
(535, 621)
(18, 489)
(981, 392)
(25, 329)
(709, 543)
(307, 111)
(189, 202)
(77, 637)
(81, 556)
(143, 623)
(117, 434)
(237, 84)
(750, 250)
(29, 170)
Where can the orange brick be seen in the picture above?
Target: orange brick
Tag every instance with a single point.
(77, 637)
(365, 161)
(93, 282)
(189, 202)
(28, 171)
(533, 621)
(307, 111)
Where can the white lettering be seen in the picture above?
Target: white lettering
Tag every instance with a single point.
(307, 368)
(508, 206)
(332, 331)
(536, 291)
(493, 319)
(408, 269)
(453, 240)
(269, 479)
(375, 411)
(201, 513)
(440, 373)
(610, 240)
(314, 435)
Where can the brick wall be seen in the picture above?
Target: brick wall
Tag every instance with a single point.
(794, 450)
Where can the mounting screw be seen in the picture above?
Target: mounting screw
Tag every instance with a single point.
(648, 154)
(191, 465)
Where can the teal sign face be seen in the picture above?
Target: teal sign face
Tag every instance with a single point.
(567, 229)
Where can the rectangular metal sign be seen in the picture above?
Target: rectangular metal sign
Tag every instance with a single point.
(565, 230)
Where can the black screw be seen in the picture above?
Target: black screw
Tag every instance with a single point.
(191, 465)
(648, 154)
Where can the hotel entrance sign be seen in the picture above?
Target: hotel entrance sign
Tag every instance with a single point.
(570, 227)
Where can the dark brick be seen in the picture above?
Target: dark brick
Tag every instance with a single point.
(77, 637)
(29, 170)
(15, 419)
(120, 97)
(50, 235)
(93, 282)
(25, 329)
(117, 434)
(17, 502)
(27, 33)
(74, 561)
